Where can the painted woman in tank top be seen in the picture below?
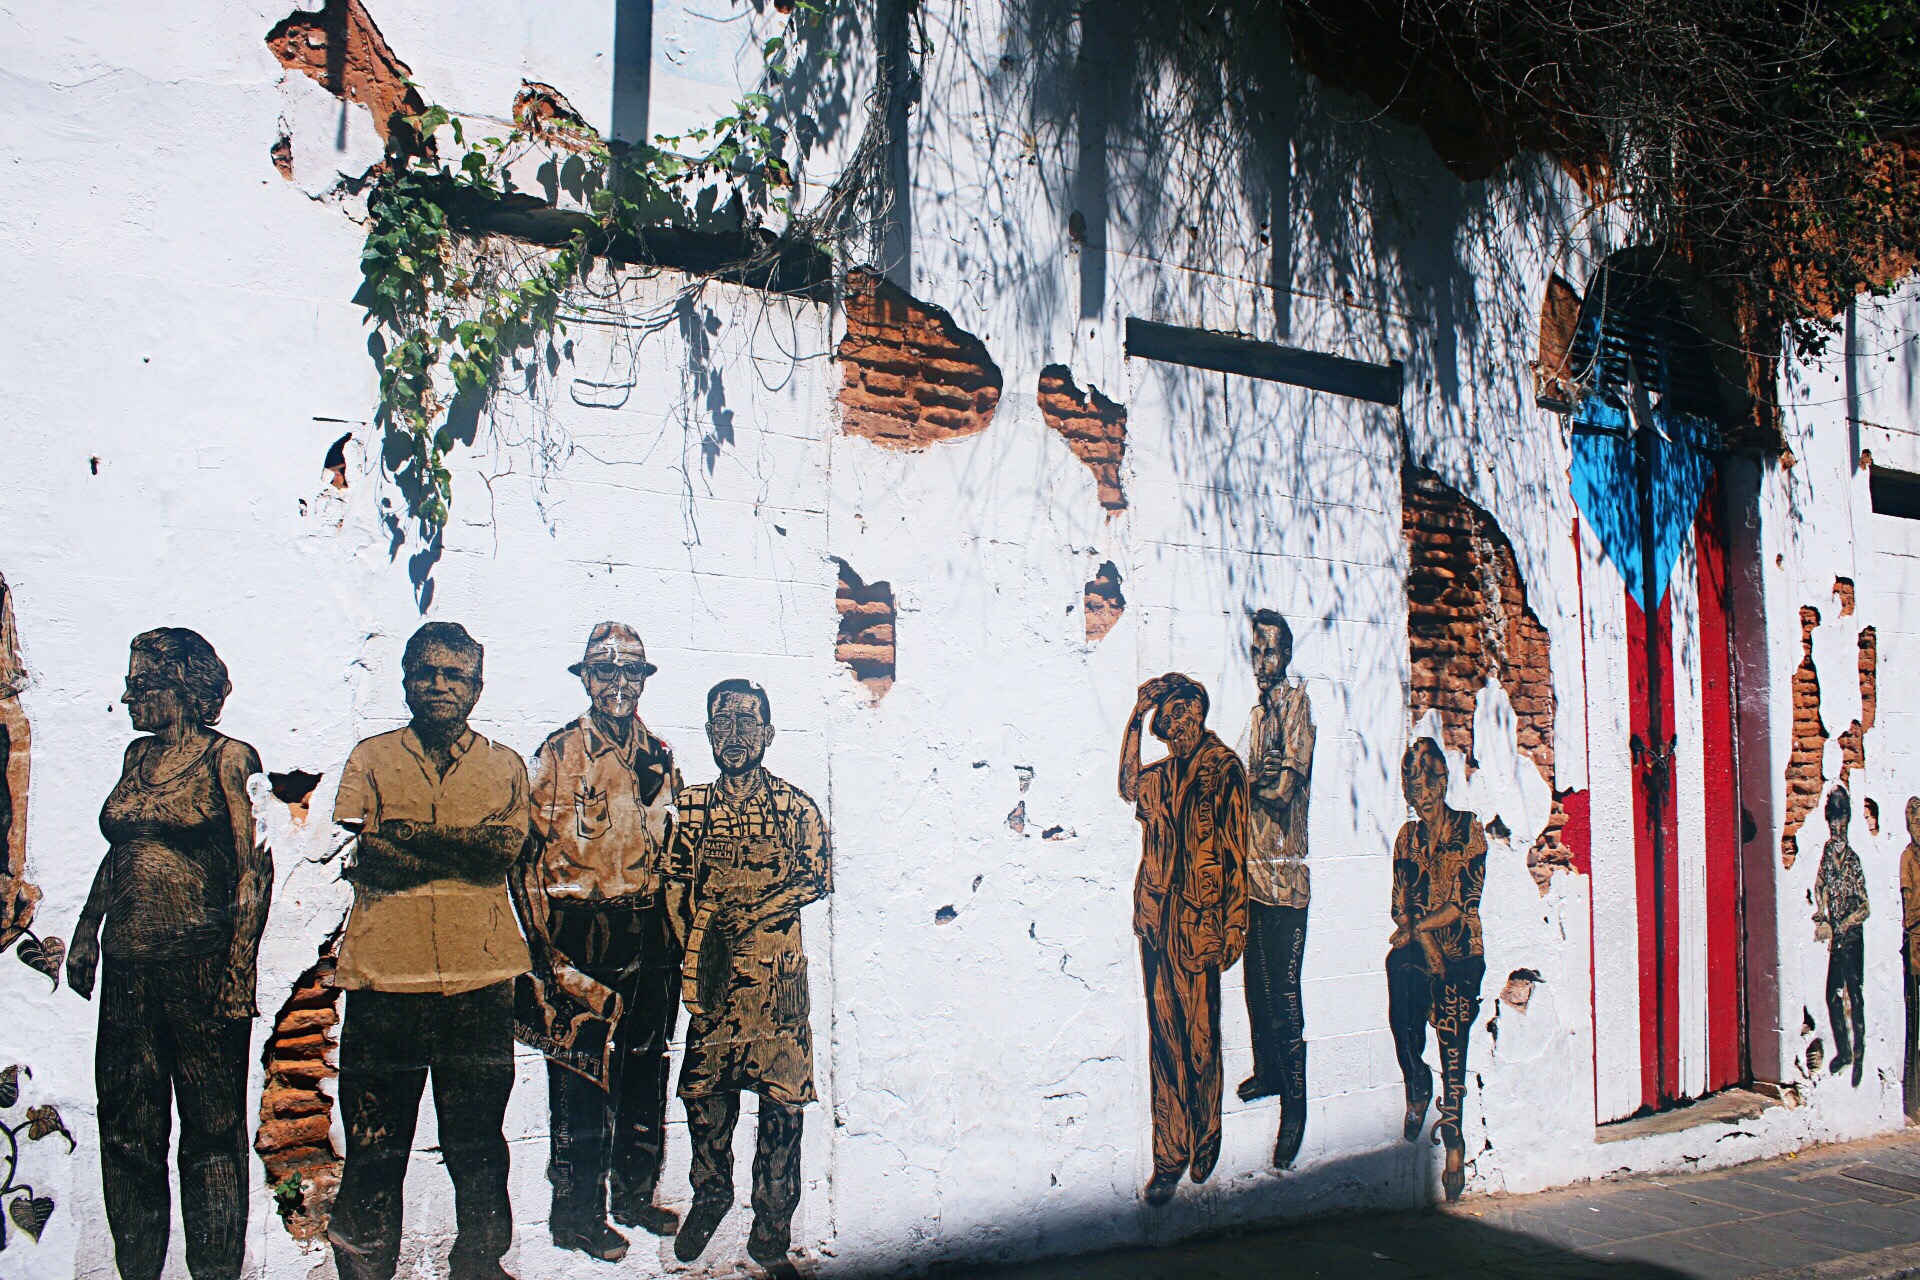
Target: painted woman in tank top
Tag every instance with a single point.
(170, 837)
(182, 893)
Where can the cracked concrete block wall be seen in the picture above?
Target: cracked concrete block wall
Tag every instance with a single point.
(739, 475)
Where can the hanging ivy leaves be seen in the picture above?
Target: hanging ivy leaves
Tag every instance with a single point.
(437, 315)
(45, 1119)
(43, 954)
(30, 1213)
(10, 1085)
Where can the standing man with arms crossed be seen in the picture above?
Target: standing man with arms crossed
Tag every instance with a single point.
(428, 962)
(603, 792)
(750, 851)
(1280, 765)
(1190, 913)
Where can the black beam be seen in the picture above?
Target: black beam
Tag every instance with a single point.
(1229, 353)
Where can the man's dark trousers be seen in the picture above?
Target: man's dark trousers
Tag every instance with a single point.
(615, 1134)
(389, 1044)
(776, 1159)
(1276, 946)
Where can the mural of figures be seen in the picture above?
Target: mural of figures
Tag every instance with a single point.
(428, 962)
(177, 909)
(750, 851)
(1839, 919)
(1189, 912)
(1280, 775)
(17, 896)
(1910, 957)
(603, 794)
(1434, 961)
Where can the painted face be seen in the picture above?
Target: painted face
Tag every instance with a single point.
(615, 677)
(153, 699)
(1425, 784)
(1178, 723)
(1272, 651)
(739, 733)
(1913, 819)
(443, 687)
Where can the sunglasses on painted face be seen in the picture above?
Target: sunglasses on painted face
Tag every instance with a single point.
(608, 672)
(148, 684)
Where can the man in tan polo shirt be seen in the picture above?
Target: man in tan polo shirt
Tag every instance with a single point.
(428, 962)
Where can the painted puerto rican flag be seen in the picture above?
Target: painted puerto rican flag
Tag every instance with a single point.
(1664, 812)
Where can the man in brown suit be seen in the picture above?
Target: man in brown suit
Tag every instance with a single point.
(1190, 913)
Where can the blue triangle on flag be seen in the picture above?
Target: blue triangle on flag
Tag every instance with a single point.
(1605, 491)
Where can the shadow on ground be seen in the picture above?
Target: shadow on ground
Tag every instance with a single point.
(1371, 1247)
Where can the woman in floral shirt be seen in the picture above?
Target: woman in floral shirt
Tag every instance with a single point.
(1434, 960)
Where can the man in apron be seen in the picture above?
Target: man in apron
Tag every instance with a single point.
(749, 852)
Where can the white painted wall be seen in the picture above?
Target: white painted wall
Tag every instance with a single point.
(188, 323)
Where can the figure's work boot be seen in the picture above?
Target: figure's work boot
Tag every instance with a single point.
(595, 1239)
(649, 1217)
(767, 1244)
(1160, 1186)
(1453, 1177)
(1293, 1131)
(1416, 1117)
(702, 1221)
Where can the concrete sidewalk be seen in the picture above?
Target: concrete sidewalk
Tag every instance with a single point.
(1846, 1212)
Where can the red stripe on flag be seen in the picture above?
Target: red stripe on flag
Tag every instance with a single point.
(1643, 844)
(1723, 805)
(1656, 889)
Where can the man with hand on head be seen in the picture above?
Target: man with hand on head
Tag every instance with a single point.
(603, 792)
(750, 851)
(428, 962)
(1189, 912)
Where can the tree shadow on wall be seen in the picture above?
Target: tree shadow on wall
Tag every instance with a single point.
(1359, 1246)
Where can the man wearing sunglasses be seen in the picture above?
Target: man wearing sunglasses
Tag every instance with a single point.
(602, 793)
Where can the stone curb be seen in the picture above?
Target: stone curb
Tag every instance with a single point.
(1900, 1262)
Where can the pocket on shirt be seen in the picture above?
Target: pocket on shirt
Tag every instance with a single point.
(592, 813)
(790, 999)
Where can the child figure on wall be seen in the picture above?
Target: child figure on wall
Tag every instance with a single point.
(1434, 959)
(1910, 956)
(1839, 915)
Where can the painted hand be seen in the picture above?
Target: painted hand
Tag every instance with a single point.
(83, 958)
(234, 999)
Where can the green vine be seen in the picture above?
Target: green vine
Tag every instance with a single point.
(443, 316)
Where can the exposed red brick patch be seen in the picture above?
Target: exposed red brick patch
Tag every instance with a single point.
(295, 1140)
(913, 376)
(1094, 427)
(865, 642)
(1853, 739)
(1468, 619)
(342, 49)
(282, 155)
(1806, 776)
(1559, 317)
(1843, 589)
(19, 896)
(1103, 603)
(542, 110)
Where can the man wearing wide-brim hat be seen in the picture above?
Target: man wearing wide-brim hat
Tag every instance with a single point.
(602, 794)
